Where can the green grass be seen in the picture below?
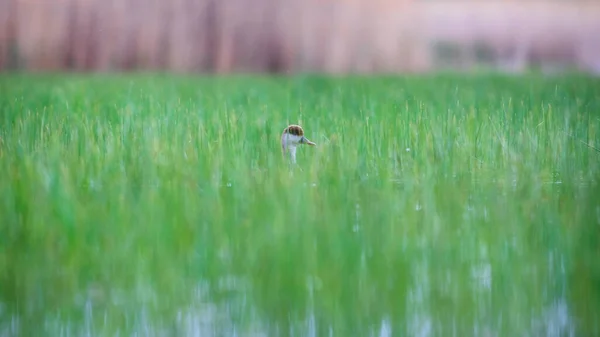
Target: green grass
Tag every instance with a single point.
(159, 205)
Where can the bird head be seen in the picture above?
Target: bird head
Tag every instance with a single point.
(293, 136)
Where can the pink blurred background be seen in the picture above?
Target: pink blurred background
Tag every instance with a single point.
(344, 36)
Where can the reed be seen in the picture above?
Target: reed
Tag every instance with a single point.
(161, 205)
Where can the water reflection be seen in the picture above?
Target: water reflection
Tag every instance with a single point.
(241, 318)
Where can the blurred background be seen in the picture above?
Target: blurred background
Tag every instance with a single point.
(349, 36)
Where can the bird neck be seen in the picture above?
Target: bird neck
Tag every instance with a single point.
(292, 150)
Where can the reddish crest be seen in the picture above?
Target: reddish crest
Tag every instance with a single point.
(295, 130)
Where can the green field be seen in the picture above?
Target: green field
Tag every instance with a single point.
(155, 205)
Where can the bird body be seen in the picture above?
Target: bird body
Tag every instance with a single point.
(293, 136)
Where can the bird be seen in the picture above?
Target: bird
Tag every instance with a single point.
(293, 136)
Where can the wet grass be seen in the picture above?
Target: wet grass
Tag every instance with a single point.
(433, 206)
